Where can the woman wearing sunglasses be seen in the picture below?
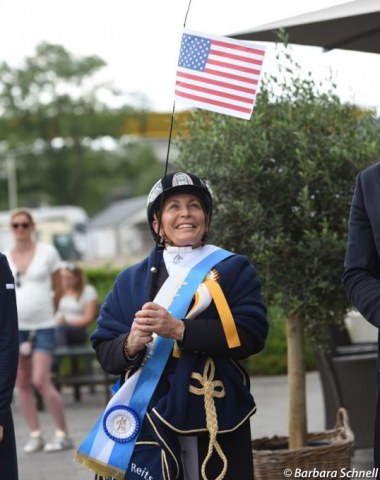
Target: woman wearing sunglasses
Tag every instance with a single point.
(35, 267)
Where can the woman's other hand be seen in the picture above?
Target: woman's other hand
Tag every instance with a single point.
(154, 318)
(137, 339)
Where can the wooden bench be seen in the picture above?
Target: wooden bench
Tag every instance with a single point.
(83, 369)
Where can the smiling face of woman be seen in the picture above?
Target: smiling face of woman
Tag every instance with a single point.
(183, 221)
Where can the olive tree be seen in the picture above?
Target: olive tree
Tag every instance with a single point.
(282, 185)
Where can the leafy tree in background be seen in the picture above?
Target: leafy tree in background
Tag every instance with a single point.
(282, 185)
(142, 170)
(53, 120)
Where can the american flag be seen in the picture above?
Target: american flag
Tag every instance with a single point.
(218, 73)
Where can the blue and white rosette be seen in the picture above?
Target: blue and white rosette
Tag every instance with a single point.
(121, 423)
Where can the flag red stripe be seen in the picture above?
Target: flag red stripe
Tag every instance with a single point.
(213, 102)
(230, 96)
(232, 76)
(242, 48)
(233, 67)
(236, 57)
(217, 83)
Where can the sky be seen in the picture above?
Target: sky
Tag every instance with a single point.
(140, 41)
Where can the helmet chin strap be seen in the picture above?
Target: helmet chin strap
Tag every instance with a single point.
(171, 244)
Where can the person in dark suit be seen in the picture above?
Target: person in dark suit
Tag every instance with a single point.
(8, 369)
(361, 276)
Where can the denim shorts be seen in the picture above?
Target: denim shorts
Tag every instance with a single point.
(42, 339)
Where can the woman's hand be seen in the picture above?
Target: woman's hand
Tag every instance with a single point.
(154, 318)
(137, 339)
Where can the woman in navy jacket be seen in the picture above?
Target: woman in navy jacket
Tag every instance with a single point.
(8, 370)
(362, 263)
(177, 417)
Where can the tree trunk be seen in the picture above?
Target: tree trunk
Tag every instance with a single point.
(296, 382)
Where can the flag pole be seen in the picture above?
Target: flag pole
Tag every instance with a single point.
(154, 268)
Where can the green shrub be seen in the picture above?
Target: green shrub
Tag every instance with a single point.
(102, 279)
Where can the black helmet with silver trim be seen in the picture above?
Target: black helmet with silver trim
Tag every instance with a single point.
(173, 184)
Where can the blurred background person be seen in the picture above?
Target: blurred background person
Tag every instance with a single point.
(8, 369)
(35, 267)
(77, 307)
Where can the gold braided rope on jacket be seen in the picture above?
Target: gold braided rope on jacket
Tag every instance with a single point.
(210, 388)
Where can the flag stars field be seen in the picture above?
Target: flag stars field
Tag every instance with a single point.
(194, 52)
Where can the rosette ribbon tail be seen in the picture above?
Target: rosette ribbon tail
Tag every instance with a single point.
(98, 467)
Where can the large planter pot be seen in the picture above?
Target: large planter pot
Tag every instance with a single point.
(330, 450)
(348, 378)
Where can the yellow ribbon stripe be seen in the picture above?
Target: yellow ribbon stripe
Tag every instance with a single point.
(225, 314)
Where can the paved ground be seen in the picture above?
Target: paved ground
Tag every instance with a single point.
(271, 419)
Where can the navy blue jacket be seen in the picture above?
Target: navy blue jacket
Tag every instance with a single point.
(8, 369)
(172, 407)
(362, 262)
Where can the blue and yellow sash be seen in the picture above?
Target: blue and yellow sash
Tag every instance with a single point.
(109, 446)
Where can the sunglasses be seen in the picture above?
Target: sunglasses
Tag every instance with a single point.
(18, 279)
(23, 225)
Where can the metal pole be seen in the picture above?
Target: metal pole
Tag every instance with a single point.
(12, 182)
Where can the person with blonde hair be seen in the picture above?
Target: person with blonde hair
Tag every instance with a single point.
(35, 267)
(77, 307)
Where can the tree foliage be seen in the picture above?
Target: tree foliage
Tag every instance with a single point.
(52, 119)
(282, 185)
